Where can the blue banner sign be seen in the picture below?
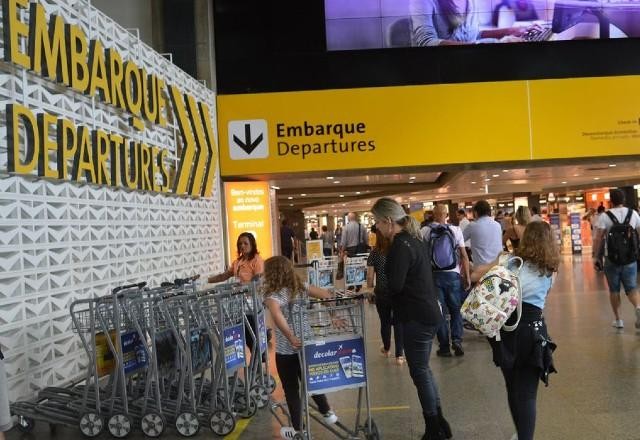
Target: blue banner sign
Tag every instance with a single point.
(336, 365)
(234, 346)
(133, 352)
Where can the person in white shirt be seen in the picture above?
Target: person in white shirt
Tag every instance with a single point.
(485, 235)
(618, 275)
(535, 214)
(451, 283)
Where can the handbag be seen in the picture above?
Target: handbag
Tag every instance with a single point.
(494, 298)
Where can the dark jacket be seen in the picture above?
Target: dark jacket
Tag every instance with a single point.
(410, 281)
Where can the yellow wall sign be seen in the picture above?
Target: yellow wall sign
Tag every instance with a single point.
(249, 210)
(428, 125)
(55, 147)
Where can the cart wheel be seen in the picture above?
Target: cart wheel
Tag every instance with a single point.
(270, 383)
(187, 424)
(260, 394)
(298, 436)
(374, 433)
(241, 406)
(152, 424)
(26, 424)
(222, 422)
(120, 425)
(91, 424)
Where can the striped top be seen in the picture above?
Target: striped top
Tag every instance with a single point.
(289, 311)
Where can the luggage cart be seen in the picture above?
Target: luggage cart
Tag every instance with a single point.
(332, 359)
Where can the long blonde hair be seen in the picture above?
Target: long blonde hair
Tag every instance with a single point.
(279, 274)
(390, 209)
(522, 217)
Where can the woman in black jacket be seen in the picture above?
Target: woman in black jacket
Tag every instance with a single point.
(415, 304)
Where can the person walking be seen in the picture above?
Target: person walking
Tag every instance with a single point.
(451, 275)
(617, 236)
(525, 354)
(354, 237)
(376, 271)
(485, 234)
(327, 241)
(287, 239)
(415, 305)
(516, 227)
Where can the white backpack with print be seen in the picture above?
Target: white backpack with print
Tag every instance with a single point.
(494, 298)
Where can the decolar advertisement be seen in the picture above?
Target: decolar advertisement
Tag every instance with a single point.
(56, 143)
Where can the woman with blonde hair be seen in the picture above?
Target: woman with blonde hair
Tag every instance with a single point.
(415, 305)
(515, 230)
(281, 287)
(525, 354)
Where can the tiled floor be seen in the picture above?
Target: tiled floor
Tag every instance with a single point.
(596, 394)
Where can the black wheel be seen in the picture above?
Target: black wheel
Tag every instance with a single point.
(26, 424)
(298, 436)
(374, 433)
(91, 424)
(261, 395)
(120, 425)
(270, 383)
(245, 411)
(187, 424)
(222, 422)
(153, 424)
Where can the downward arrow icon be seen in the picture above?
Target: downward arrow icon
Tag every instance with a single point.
(248, 145)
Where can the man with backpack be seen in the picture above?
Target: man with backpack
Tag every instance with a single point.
(617, 239)
(450, 265)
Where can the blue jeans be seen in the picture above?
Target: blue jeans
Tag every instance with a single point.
(418, 339)
(450, 293)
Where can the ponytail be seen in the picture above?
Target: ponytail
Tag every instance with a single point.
(411, 226)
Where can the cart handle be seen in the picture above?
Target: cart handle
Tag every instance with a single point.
(129, 286)
(182, 281)
(313, 263)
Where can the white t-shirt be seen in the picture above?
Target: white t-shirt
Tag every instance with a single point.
(457, 234)
(463, 225)
(604, 222)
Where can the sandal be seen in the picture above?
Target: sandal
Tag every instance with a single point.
(384, 353)
(400, 360)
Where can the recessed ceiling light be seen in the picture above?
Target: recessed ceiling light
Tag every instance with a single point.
(275, 187)
(596, 178)
(290, 198)
(412, 178)
(486, 180)
(368, 201)
(505, 171)
(576, 175)
(341, 195)
(612, 165)
(290, 204)
(336, 181)
(344, 204)
(303, 195)
(357, 192)
(564, 182)
(496, 175)
(329, 177)
(474, 182)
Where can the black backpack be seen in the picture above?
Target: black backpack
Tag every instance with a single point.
(622, 240)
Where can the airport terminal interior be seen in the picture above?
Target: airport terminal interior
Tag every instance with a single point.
(164, 163)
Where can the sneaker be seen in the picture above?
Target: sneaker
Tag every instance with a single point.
(287, 432)
(330, 417)
(457, 349)
(444, 353)
(618, 323)
(638, 318)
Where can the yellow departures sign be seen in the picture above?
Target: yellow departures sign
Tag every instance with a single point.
(61, 52)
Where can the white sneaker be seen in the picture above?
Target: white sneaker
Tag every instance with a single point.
(287, 432)
(618, 323)
(330, 417)
(638, 318)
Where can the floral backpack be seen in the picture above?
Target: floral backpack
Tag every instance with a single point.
(492, 301)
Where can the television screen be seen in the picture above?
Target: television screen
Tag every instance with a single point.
(375, 24)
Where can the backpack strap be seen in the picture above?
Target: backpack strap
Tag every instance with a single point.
(627, 219)
(510, 328)
(612, 217)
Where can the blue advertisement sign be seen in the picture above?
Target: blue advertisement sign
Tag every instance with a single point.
(576, 232)
(262, 332)
(234, 346)
(200, 350)
(336, 365)
(133, 352)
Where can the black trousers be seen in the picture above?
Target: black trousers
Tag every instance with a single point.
(288, 366)
(522, 392)
(385, 312)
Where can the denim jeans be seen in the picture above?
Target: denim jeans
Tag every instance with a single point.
(450, 293)
(418, 339)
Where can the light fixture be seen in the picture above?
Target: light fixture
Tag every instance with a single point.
(303, 195)
(596, 178)
(412, 178)
(357, 192)
(496, 175)
(336, 181)
(344, 204)
(505, 171)
(412, 181)
(474, 182)
(341, 195)
(611, 165)
(564, 182)
(329, 177)
(487, 180)
(290, 204)
(275, 187)
(290, 198)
